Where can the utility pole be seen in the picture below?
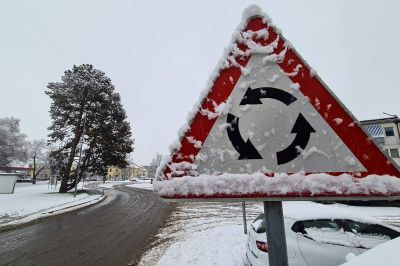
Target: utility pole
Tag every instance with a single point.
(80, 154)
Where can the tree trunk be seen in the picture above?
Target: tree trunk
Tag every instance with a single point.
(34, 169)
(65, 186)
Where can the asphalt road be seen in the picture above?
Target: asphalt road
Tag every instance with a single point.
(113, 232)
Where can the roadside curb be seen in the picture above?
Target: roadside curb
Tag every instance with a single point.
(44, 214)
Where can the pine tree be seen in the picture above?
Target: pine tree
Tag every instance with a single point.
(86, 92)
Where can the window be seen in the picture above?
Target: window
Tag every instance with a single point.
(394, 153)
(389, 132)
(303, 226)
(325, 231)
(371, 229)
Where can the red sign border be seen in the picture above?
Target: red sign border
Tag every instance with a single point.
(319, 95)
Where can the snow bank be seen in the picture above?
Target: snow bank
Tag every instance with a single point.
(280, 184)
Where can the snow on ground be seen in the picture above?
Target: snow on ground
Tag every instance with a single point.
(142, 184)
(111, 184)
(202, 234)
(30, 202)
(229, 242)
(145, 184)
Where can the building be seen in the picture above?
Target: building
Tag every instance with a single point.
(386, 133)
(43, 171)
(132, 171)
(138, 171)
(21, 171)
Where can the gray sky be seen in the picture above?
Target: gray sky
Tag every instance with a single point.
(159, 55)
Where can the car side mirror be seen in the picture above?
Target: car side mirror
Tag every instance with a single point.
(298, 227)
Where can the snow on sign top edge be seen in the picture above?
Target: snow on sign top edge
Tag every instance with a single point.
(258, 185)
(248, 13)
(254, 11)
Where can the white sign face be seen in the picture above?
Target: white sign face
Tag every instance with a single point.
(271, 127)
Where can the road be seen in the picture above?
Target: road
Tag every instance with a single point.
(113, 232)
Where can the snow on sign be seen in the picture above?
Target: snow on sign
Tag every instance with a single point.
(267, 127)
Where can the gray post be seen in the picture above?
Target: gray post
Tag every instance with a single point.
(276, 239)
(244, 217)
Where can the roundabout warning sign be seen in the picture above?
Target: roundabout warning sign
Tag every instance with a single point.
(301, 127)
(268, 127)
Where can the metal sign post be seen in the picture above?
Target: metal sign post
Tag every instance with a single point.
(244, 217)
(276, 238)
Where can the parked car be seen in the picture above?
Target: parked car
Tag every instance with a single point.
(319, 237)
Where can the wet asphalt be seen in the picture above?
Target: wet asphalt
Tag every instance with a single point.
(116, 231)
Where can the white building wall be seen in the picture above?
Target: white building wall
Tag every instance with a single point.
(390, 142)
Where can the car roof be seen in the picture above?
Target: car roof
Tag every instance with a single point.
(302, 211)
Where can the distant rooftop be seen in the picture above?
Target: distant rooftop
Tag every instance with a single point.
(135, 165)
(393, 119)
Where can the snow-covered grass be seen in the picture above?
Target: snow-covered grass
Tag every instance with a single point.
(30, 202)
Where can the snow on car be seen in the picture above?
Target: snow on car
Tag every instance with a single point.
(386, 254)
(318, 234)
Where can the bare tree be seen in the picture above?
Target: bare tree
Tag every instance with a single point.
(153, 165)
(12, 142)
(37, 154)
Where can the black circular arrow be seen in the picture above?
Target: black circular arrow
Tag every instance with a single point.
(246, 149)
(303, 131)
(254, 96)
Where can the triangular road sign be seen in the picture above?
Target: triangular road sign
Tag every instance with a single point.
(265, 113)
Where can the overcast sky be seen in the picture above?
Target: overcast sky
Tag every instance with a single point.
(159, 55)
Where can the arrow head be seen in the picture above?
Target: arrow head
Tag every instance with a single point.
(251, 97)
(302, 125)
(250, 152)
